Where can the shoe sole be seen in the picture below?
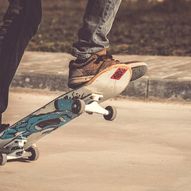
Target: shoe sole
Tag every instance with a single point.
(138, 70)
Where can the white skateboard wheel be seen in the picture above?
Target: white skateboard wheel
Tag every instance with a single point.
(112, 113)
(78, 106)
(3, 159)
(33, 150)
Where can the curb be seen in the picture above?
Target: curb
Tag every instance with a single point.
(144, 88)
(169, 77)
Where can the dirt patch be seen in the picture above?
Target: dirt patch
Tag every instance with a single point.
(160, 29)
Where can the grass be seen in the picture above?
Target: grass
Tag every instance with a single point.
(152, 29)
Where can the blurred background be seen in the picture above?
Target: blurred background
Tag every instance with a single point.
(149, 27)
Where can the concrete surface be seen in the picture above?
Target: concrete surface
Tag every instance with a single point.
(168, 77)
(147, 148)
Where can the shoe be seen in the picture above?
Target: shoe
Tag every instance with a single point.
(82, 72)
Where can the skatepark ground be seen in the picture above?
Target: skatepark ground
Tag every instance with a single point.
(147, 148)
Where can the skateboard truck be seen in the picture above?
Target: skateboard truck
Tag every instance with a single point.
(15, 150)
(109, 113)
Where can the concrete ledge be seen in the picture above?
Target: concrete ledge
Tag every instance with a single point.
(168, 77)
(41, 81)
(144, 88)
(169, 89)
(138, 89)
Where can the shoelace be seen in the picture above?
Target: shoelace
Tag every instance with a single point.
(105, 57)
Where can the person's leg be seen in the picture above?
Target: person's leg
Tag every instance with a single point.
(97, 23)
(20, 23)
(90, 49)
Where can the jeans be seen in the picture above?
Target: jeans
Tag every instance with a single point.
(21, 23)
(97, 23)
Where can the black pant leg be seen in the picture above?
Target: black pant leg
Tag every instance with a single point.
(20, 24)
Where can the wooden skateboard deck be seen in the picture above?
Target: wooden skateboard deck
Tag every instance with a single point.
(18, 139)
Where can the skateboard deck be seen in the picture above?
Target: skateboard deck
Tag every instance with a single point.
(18, 140)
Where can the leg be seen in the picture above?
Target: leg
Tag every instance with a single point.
(97, 23)
(19, 25)
(90, 50)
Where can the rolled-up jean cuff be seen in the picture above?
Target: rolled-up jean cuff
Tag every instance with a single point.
(83, 56)
(97, 23)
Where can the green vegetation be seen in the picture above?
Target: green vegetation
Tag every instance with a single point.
(143, 27)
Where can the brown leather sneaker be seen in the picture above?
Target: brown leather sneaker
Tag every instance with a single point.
(82, 72)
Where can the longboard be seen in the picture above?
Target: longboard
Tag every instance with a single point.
(18, 141)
